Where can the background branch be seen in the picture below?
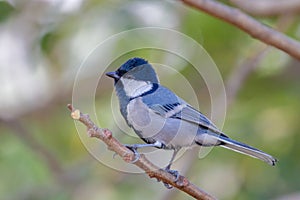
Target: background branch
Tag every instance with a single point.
(248, 24)
(268, 7)
(143, 163)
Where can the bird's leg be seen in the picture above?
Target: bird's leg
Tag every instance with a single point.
(173, 172)
(134, 147)
(157, 144)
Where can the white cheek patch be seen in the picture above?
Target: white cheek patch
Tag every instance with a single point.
(134, 88)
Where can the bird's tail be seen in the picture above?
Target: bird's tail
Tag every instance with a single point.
(246, 149)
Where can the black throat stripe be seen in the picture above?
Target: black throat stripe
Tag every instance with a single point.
(153, 89)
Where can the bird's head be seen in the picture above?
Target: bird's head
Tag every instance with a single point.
(135, 69)
(133, 78)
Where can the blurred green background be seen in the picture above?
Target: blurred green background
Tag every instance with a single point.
(42, 44)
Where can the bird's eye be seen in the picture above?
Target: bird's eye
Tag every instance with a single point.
(129, 77)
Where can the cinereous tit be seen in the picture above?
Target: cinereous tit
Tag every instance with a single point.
(162, 119)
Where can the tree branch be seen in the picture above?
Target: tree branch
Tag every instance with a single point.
(239, 75)
(248, 24)
(143, 163)
(268, 7)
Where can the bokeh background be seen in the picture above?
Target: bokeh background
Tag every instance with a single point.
(42, 45)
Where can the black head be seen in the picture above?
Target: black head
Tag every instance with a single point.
(130, 64)
(137, 68)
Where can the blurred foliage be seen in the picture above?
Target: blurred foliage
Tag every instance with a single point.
(5, 10)
(42, 46)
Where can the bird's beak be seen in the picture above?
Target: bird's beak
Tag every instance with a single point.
(113, 75)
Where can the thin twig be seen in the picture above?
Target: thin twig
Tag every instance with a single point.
(127, 155)
(248, 24)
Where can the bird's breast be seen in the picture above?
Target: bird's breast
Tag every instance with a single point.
(143, 119)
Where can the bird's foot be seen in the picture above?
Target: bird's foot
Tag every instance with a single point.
(174, 173)
(167, 185)
(134, 148)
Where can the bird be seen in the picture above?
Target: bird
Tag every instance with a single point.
(164, 120)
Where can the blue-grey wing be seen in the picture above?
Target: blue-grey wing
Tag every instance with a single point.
(165, 103)
(188, 113)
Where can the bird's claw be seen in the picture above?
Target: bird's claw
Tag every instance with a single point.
(174, 173)
(167, 185)
(136, 153)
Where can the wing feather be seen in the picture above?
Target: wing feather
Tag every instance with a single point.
(185, 112)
